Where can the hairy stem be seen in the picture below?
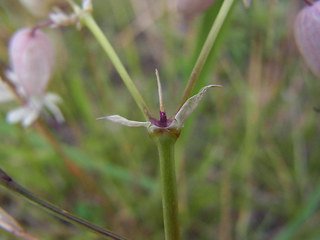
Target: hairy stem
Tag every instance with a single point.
(91, 24)
(206, 48)
(165, 143)
(11, 185)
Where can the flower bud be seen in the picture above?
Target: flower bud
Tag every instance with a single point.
(192, 7)
(307, 35)
(31, 56)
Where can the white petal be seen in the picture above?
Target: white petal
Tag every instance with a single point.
(54, 109)
(16, 115)
(52, 97)
(5, 93)
(50, 101)
(124, 121)
(190, 105)
(30, 118)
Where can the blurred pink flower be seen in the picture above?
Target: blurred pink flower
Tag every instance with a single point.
(31, 57)
(307, 35)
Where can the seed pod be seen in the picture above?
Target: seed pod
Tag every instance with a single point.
(192, 7)
(307, 35)
(31, 56)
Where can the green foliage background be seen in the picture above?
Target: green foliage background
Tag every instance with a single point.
(247, 160)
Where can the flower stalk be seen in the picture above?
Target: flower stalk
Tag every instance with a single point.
(205, 51)
(165, 143)
(91, 24)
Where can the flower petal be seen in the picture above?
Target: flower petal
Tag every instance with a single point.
(190, 105)
(124, 121)
(50, 101)
(52, 97)
(5, 93)
(30, 118)
(16, 115)
(54, 109)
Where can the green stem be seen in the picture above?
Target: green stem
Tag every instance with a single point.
(165, 143)
(91, 24)
(10, 184)
(206, 48)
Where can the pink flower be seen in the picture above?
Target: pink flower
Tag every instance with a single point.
(31, 56)
(307, 35)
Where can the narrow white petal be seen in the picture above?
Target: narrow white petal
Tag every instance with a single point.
(124, 121)
(16, 115)
(190, 105)
(54, 109)
(52, 97)
(5, 92)
(30, 118)
(50, 101)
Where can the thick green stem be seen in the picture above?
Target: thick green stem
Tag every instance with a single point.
(91, 24)
(165, 143)
(206, 48)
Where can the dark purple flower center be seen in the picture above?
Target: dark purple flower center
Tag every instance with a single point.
(163, 122)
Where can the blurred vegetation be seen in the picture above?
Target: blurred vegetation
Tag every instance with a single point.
(248, 159)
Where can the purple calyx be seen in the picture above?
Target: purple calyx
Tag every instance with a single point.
(163, 122)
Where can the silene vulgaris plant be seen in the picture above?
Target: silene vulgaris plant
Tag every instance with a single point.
(31, 56)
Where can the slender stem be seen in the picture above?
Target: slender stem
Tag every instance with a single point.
(11, 185)
(206, 48)
(88, 20)
(165, 143)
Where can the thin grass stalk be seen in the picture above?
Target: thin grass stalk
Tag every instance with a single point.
(205, 51)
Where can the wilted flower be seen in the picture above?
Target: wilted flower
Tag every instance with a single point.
(192, 7)
(31, 57)
(307, 35)
(173, 124)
